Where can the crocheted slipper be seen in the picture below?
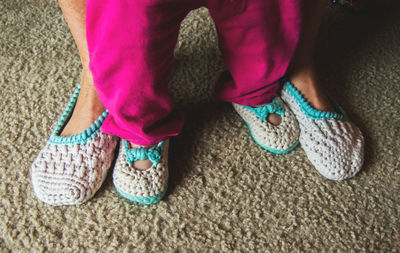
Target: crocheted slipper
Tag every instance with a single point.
(69, 170)
(333, 144)
(278, 139)
(143, 186)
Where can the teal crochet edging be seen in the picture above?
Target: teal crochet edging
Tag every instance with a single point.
(143, 200)
(262, 112)
(275, 151)
(311, 112)
(135, 154)
(82, 138)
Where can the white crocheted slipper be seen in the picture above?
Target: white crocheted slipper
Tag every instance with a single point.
(333, 144)
(143, 186)
(69, 170)
(278, 139)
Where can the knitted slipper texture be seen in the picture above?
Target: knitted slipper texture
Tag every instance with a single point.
(143, 186)
(334, 145)
(69, 170)
(278, 139)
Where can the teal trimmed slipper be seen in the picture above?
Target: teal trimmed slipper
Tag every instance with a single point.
(142, 186)
(333, 144)
(278, 139)
(70, 170)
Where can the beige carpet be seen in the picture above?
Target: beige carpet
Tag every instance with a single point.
(226, 194)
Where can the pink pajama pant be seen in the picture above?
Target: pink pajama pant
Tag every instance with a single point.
(131, 45)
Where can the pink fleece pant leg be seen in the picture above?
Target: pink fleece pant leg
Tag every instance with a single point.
(257, 43)
(131, 45)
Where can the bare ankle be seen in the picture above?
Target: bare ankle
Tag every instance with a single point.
(87, 82)
(308, 85)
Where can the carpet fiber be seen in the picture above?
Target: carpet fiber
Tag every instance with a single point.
(226, 193)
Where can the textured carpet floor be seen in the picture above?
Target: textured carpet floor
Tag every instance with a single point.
(226, 193)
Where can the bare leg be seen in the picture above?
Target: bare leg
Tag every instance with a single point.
(302, 72)
(88, 107)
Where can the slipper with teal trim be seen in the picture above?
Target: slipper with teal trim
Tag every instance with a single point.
(333, 144)
(70, 170)
(143, 186)
(278, 139)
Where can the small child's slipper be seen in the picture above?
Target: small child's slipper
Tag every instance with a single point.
(278, 139)
(143, 186)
